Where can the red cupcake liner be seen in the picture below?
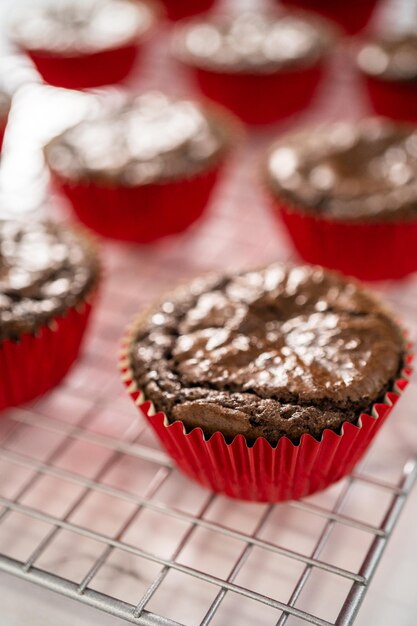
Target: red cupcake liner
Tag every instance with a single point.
(179, 9)
(262, 472)
(35, 363)
(261, 98)
(397, 100)
(86, 70)
(352, 16)
(142, 213)
(367, 250)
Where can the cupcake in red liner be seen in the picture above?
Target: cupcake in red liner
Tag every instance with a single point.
(257, 384)
(85, 44)
(388, 66)
(180, 9)
(352, 16)
(261, 66)
(145, 170)
(347, 195)
(48, 281)
(5, 105)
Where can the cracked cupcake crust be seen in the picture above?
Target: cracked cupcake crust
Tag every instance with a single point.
(45, 268)
(149, 139)
(352, 172)
(283, 351)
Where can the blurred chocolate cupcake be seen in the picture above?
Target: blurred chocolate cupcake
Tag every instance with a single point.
(259, 381)
(388, 65)
(143, 170)
(347, 194)
(81, 44)
(261, 66)
(49, 275)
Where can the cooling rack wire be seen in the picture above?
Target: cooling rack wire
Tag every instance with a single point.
(90, 507)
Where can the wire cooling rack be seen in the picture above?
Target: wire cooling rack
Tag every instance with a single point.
(90, 506)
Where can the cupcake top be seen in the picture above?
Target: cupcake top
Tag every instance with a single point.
(152, 138)
(83, 25)
(254, 42)
(285, 350)
(45, 268)
(391, 57)
(350, 171)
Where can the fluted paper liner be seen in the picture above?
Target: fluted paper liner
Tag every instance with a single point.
(280, 94)
(36, 362)
(181, 9)
(352, 16)
(367, 250)
(262, 472)
(86, 70)
(393, 99)
(141, 213)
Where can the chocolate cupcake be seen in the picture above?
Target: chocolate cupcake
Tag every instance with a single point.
(347, 194)
(48, 277)
(388, 65)
(145, 170)
(5, 105)
(259, 370)
(278, 56)
(85, 43)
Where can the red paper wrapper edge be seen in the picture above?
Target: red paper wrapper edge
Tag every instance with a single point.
(394, 99)
(284, 93)
(140, 214)
(36, 363)
(367, 250)
(84, 71)
(352, 16)
(180, 9)
(262, 472)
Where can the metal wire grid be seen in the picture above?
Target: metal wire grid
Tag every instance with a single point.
(117, 449)
(79, 434)
(93, 509)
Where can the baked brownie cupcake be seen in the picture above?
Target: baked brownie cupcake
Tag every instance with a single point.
(347, 194)
(48, 277)
(179, 9)
(5, 105)
(352, 16)
(266, 384)
(81, 44)
(278, 56)
(142, 171)
(388, 65)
